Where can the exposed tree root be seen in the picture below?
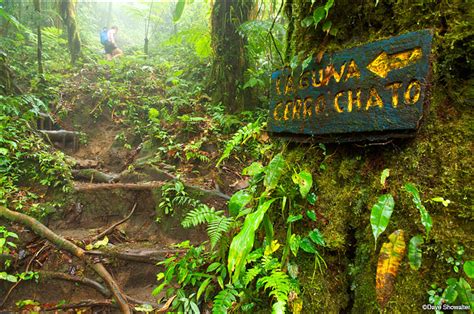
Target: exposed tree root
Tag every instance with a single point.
(62, 243)
(149, 256)
(146, 186)
(48, 275)
(94, 175)
(113, 186)
(115, 225)
(85, 303)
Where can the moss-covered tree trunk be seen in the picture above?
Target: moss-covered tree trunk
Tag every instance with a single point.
(229, 62)
(68, 14)
(438, 161)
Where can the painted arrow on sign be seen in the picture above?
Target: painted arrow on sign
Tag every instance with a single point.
(384, 63)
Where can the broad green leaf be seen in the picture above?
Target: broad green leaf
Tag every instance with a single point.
(178, 11)
(317, 237)
(238, 201)
(304, 180)
(242, 243)
(465, 292)
(293, 218)
(414, 252)
(425, 216)
(469, 268)
(273, 171)
(295, 243)
(383, 177)
(3, 151)
(311, 214)
(203, 287)
(380, 215)
(312, 198)
(213, 267)
(450, 294)
(318, 15)
(307, 246)
(254, 169)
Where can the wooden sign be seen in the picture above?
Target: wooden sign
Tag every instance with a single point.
(371, 92)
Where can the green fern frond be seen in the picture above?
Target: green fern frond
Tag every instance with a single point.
(200, 215)
(217, 227)
(251, 274)
(279, 283)
(240, 137)
(223, 300)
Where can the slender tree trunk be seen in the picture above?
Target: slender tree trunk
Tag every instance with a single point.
(39, 51)
(68, 14)
(230, 61)
(147, 28)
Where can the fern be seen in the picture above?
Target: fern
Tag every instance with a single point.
(199, 215)
(240, 137)
(251, 274)
(217, 226)
(185, 201)
(224, 299)
(280, 286)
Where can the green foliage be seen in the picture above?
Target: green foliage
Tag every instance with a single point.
(238, 201)
(243, 242)
(218, 224)
(7, 248)
(25, 156)
(173, 195)
(305, 181)
(380, 215)
(425, 216)
(251, 130)
(468, 267)
(224, 299)
(280, 285)
(457, 292)
(414, 252)
(273, 172)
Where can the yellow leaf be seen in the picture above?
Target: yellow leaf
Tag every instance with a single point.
(391, 254)
(269, 249)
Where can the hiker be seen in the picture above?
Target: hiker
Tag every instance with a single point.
(111, 49)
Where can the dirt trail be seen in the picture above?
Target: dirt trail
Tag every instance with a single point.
(132, 248)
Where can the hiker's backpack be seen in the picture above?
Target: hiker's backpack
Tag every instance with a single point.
(103, 36)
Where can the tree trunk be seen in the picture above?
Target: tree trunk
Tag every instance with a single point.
(39, 51)
(68, 14)
(230, 62)
(349, 284)
(147, 29)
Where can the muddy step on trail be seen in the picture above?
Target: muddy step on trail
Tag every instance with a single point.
(112, 212)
